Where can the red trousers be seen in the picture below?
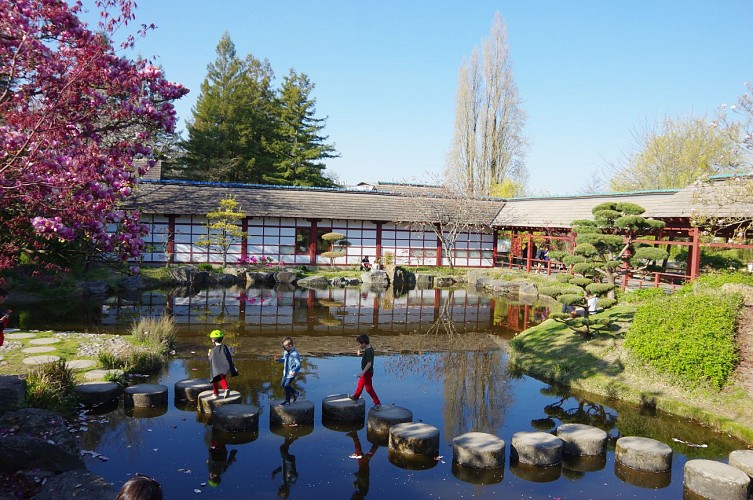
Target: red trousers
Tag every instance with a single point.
(365, 383)
(219, 380)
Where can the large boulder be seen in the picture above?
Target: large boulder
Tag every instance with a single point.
(12, 393)
(260, 278)
(95, 288)
(285, 277)
(313, 282)
(81, 485)
(43, 424)
(25, 453)
(376, 278)
(189, 276)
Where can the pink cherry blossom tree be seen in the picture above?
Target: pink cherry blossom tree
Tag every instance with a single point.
(73, 116)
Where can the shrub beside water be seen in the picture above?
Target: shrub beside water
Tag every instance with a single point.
(155, 332)
(50, 386)
(690, 335)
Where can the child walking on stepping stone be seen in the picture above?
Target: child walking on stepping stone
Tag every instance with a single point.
(367, 370)
(220, 363)
(291, 361)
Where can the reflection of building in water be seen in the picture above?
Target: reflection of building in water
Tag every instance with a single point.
(330, 311)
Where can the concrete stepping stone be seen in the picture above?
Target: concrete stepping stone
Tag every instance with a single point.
(291, 431)
(44, 341)
(37, 350)
(145, 396)
(410, 461)
(643, 453)
(189, 389)
(339, 407)
(145, 412)
(535, 473)
(380, 421)
(97, 393)
(536, 448)
(300, 412)
(474, 475)
(80, 364)
(207, 402)
(18, 336)
(40, 360)
(584, 463)
(642, 478)
(94, 375)
(581, 439)
(414, 438)
(236, 418)
(479, 449)
(234, 437)
(743, 460)
(712, 479)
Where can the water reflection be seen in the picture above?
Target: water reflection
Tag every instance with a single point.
(218, 461)
(289, 474)
(361, 484)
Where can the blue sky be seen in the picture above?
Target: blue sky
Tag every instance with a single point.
(589, 72)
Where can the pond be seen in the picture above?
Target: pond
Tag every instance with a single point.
(440, 354)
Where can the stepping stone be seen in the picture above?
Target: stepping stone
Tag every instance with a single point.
(37, 350)
(236, 418)
(536, 448)
(474, 475)
(12, 330)
(145, 396)
(535, 473)
(291, 431)
(479, 449)
(411, 462)
(207, 402)
(414, 438)
(233, 437)
(642, 478)
(380, 421)
(40, 360)
(300, 412)
(97, 393)
(80, 364)
(581, 439)
(711, 479)
(743, 460)
(584, 463)
(18, 336)
(339, 407)
(190, 388)
(94, 375)
(643, 453)
(44, 341)
(145, 412)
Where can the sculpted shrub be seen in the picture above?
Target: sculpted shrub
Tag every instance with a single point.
(690, 335)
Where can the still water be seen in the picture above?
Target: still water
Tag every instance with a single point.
(440, 354)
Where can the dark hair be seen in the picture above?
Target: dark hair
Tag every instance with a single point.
(3, 292)
(363, 339)
(288, 339)
(140, 487)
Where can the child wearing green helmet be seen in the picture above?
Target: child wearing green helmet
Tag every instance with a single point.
(220, 363)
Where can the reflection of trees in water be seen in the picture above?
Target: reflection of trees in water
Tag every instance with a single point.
(576, 410)
(115, 428)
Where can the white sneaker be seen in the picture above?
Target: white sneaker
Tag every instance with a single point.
(227, 392)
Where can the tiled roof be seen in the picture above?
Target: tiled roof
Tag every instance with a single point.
(176, 197)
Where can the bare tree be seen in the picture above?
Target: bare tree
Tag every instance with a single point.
(488, 145)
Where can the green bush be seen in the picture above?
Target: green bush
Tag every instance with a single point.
(710, 261)
(716, 280)
(158, 332)
(642, 295)
(690, 335)
(50, 387)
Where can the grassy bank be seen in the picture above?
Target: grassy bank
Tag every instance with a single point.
(604, 367)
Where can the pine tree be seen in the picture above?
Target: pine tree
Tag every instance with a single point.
(300, 147)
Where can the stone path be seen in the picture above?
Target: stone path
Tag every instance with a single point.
(44, 345)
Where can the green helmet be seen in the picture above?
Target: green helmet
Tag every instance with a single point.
(213, 483)
(216, 334)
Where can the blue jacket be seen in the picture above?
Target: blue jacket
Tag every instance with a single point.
(291, 363)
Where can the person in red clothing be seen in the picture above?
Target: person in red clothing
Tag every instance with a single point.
(367, 370)
(4, 317)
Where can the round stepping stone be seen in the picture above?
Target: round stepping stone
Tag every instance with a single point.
(80, 364)
(743, 460)
(291, 431)
(536, 474)
(190, 388)
(300, 412)
(38, 350)
(40, 360)
(236, 418)
(411, 462)
(642, 478)
(207, 402)
(414, 438)
(479, 449)
(535, 448)
(643, 453)
(234, 437)
(380, 421)
(581, 439)
(18, 336)
(102, 374)
(584, 463)
(97, 393)
(711, 479)
(337, 426)
(44, 341)
(138, 412)
(474, 475)
(145, 396)
(339, 407)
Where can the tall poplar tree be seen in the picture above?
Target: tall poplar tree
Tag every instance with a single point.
(300, 147)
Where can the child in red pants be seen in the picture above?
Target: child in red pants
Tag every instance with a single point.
(220, 363)
(367, 370)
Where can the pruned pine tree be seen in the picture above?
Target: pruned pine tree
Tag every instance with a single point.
(223, 227)
(489, 146)
(299, 146)
(233, 121)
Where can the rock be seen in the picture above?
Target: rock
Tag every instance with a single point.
(95, 288)
(81, 485)
(425, 280)
(444, 281)
(711, 479)
(379, 278)
(285, 277)
(25, 452)
(44, 424)
(189, 275)
(225, 279)
(12, 392)
(313, 282)
(258, 278)
(131, 283)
